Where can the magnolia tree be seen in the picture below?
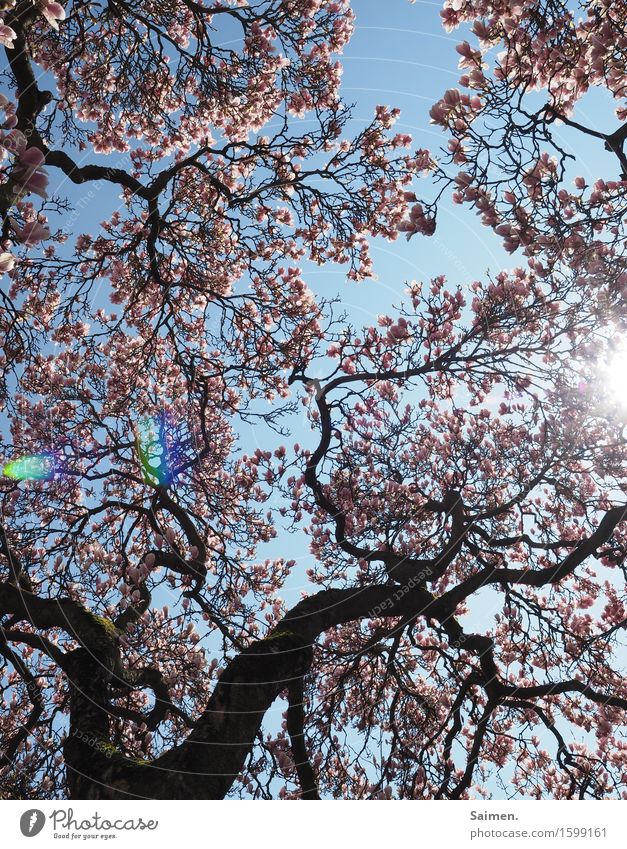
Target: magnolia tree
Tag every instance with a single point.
(461, 482)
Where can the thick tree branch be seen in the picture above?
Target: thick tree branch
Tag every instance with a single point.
(540, 577)
(295, 728)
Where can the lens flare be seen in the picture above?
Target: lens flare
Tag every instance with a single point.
(152, 452)
(31, 467)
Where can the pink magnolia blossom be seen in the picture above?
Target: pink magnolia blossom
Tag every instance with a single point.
(7, 262)
(30, 233)
(53, 12)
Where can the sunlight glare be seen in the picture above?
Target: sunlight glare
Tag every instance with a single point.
(615, 375)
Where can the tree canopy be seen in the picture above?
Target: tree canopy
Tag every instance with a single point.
(461, 476)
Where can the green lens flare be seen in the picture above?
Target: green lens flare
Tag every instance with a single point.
(152, 452)
(33, 467)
